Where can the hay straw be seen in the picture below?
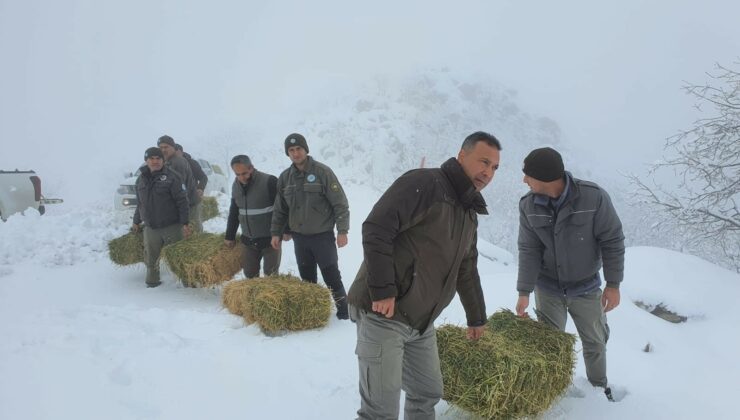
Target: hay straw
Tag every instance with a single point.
(202, 260)
(127, 249)
(279, 303)
(209, 208)
(518, 368)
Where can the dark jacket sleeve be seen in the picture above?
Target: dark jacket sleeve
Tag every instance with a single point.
(137, 214)
(401, 207)
(272, 187)
(338, 200)
(609, 235)
(181, 200)
(200, 177)
(232, 223)
(469, 288)
(279, 223)
(531, 250)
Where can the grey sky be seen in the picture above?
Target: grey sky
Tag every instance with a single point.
(84, 77)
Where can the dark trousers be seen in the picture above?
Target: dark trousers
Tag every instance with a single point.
(321, 250)
(256, 250)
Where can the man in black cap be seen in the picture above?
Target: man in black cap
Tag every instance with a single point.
(162, 206)
(252, 199)
(309, 203)
(178, 164)
(568, 229)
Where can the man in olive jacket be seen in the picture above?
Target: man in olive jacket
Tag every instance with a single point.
(180, 166)
(567, 229)
(309, 203)
(252, 198)
(162, 205)
(420, 245)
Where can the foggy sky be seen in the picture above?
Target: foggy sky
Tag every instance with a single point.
(90, 80)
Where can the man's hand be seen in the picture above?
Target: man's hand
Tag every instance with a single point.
(341, 240)
(475, 333)
(186, 231)
(609, 298)
(287, 237)
(385, 307)
(521, 306)
(275, 242)
(135, 228)
(229, 244)
(199, 193)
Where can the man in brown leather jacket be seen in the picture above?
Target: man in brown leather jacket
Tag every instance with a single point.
(420, 249)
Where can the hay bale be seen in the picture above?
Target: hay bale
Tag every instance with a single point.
(279, 303)
(202, 260)
(210, 208)
(127, 249)
(518, 368)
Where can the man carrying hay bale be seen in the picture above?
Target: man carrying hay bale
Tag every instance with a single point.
(420, 243)
(200, 177)
(181, 167)
(567, 228)
(162, 207)
(252, 199)
(309, 202)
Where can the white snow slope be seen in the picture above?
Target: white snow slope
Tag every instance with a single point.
(83, 339)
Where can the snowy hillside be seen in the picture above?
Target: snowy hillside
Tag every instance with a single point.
(83, 339)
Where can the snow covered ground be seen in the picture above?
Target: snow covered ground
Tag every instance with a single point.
(83, 339)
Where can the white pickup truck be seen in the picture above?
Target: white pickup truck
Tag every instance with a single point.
(20, 190)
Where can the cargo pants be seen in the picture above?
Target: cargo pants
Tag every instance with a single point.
(154, 241)
(256, 250)
(590, 321)
(393, 356)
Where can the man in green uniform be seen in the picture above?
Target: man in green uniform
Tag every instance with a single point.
(309, 203)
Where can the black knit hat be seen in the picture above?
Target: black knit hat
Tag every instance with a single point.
(153, 151)
(166, 140)
(295, 139)
(544, 165)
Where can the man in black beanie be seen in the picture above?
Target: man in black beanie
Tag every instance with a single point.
(162, 210)
(568, 229)
(310, 202)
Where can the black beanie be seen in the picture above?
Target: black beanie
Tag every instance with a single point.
(153, 151)
(544, 165)
(295, 139)
(166, 140)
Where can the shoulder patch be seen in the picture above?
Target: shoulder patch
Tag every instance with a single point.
(334, 187)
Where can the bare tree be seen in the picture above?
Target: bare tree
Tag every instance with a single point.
(700, 175)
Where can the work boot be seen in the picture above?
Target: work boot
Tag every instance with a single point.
(608, 393)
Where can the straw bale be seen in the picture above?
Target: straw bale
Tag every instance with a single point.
(202, 260)
(279, 303)
(210, 208)
(518, 368)
(127, 249)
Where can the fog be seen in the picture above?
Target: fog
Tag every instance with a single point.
(88, 85)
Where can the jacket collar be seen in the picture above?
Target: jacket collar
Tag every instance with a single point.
(571, 192)
(309, 166)
(464, 187)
